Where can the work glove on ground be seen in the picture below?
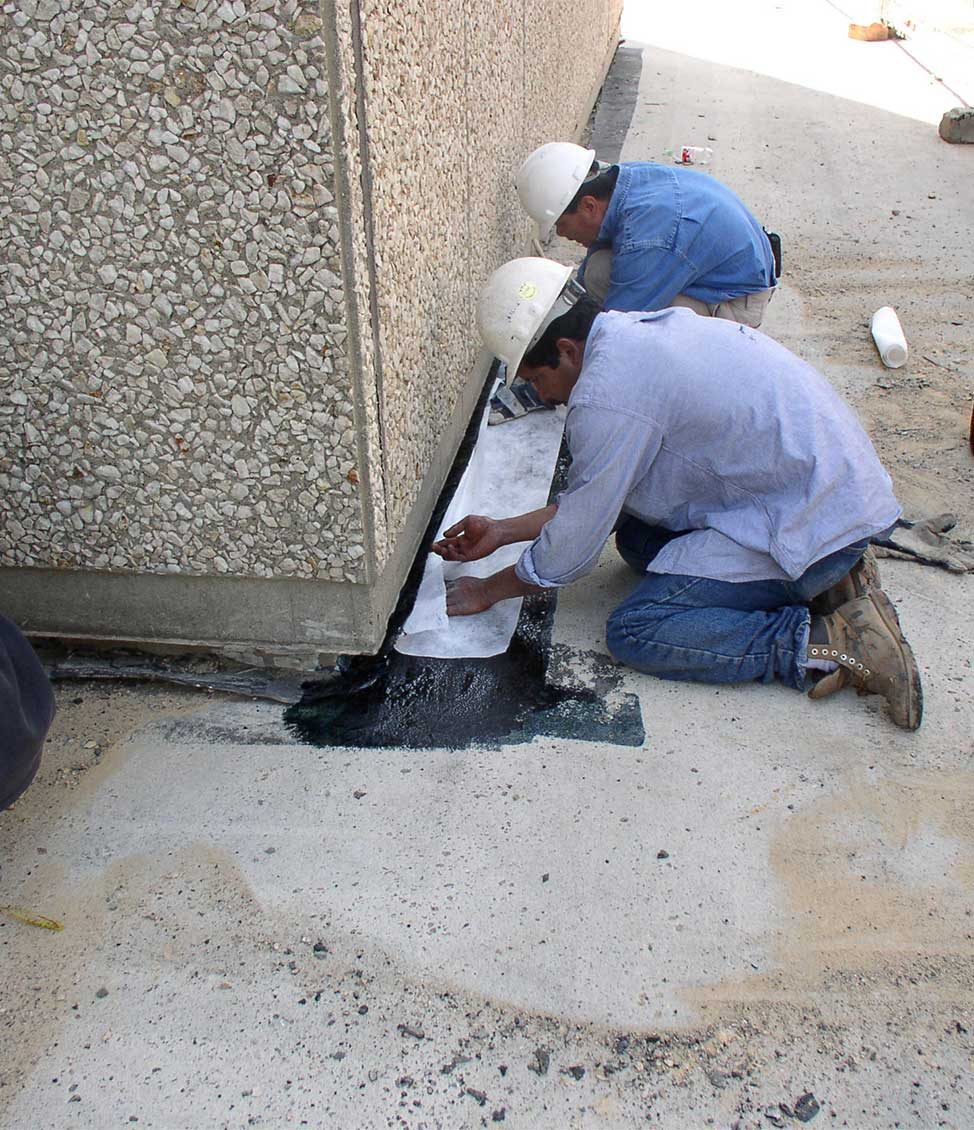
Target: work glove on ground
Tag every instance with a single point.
(926, 542)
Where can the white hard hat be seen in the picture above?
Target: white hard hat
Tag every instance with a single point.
(518, 303)
(548, 180)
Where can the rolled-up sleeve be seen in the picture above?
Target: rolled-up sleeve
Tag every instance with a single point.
(610, 449)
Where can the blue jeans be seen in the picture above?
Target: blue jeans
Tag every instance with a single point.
(704, 631)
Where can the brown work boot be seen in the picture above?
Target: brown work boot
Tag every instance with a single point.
(864, 638)
(861, 578)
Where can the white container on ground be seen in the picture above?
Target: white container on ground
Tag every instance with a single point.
(889, 337)
(694, 155)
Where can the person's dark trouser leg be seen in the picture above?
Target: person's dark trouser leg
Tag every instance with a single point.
(638, 543)
(26, 711)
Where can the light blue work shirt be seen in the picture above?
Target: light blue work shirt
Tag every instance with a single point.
(678, 231)
(704, 425)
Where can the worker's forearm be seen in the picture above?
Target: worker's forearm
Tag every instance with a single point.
(507, 584)
(526, 527)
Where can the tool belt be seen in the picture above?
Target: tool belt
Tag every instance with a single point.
(775, 241)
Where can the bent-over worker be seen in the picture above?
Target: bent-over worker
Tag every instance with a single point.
(738, 484)
(656, 236)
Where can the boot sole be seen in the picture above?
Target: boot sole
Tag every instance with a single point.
(884, 606)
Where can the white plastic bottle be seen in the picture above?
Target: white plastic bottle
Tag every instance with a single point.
(889, 337)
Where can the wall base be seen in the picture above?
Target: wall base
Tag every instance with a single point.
(277, 621)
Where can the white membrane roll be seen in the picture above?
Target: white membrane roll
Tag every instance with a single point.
(509, 472)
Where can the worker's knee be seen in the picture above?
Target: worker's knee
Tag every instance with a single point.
(615, 639)
(632, 648)
(598, 269)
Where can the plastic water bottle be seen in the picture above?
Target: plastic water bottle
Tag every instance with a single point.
(694, 155)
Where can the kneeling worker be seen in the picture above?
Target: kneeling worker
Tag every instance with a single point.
(738, 484)
(657, 236)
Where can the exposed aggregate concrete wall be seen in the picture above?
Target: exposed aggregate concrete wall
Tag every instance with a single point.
(456, 96)
(174, 310)
(240, 244)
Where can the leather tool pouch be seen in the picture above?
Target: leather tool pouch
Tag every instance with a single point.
(775, 240)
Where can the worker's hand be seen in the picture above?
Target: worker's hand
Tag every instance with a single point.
(467, 596)
(470, 539)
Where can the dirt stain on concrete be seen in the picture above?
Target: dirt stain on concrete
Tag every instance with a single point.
(883, 865)
(876, 885)
(89, 736)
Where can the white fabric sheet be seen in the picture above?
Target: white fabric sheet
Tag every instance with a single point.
(509, 473)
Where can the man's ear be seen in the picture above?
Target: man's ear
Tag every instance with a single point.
(571, 349)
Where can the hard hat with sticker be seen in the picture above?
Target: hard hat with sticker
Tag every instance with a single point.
(518, 300)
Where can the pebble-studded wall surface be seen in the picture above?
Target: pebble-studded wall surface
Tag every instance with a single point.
(457, 95)
(176, 395)
(185, 384)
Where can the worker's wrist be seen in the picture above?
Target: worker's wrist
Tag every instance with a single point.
(507, 531)
(525, 527)
(505, 585)
(494, 587)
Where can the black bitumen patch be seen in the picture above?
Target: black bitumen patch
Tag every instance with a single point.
(393, 700)
(415, 703)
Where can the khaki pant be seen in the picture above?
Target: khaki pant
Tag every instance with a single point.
(748, 309)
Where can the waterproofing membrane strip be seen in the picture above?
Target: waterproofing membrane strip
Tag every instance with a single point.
(509, 472)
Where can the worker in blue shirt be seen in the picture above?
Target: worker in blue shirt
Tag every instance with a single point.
(656, 236)
(736, 481)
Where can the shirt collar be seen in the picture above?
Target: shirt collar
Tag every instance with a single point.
(617, 200)
(594, 334)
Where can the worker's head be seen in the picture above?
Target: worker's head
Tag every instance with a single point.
(518, 307)
(582, 219)
(555, 178)
(554, 362)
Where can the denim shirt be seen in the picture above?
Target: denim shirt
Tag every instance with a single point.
(709, 427)
(678, 231)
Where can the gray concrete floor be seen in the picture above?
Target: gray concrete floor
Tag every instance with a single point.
(261, 933)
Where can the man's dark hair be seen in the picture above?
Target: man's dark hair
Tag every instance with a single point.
(574, 323)
(599, 185)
